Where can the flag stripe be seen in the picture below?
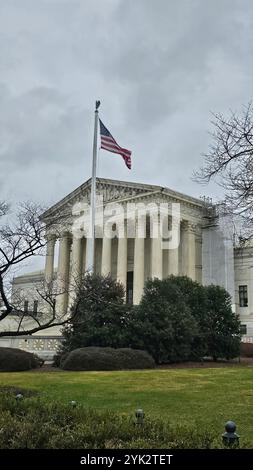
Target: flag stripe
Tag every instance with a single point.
(108, 139)
(112, 147)
(109, 143)
(127, 155)
(109, 147)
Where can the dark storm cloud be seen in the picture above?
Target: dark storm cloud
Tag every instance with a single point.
(159, 68)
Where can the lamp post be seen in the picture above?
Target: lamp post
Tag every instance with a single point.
(230, 437)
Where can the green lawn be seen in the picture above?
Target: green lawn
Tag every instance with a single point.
(205, 397)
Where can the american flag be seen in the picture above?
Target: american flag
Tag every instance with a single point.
(110, 144)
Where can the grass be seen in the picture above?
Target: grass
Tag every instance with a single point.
(204, 398)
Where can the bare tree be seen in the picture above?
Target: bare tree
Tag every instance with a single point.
(3, 208)
(230, 161)
(20, 239)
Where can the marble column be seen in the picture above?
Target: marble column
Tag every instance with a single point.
(76, 268)
(122, 260)
(106, 256)
(173, 253)
(88, 255)
(76, 265)
(138, 285)
(49, 265)
(156, 252)
(63, 274)
(189, 250)
(84, 247)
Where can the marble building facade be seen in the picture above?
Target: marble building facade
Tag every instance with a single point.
(126, 257)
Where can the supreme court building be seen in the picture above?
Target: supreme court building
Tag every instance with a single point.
(131, 254)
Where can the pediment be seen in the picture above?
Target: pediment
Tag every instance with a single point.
(114, 190)
(111, 190)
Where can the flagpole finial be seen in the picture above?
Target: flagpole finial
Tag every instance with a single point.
(97, 104)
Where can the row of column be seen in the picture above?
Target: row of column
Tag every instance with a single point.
(188, 257)
(67, 280)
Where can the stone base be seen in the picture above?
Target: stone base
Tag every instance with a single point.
(44, 346)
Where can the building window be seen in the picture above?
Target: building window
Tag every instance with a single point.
(243, 329)
(129, 287)
(243, 296)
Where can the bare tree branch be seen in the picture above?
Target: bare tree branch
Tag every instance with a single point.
(230, 161)
(23, 236)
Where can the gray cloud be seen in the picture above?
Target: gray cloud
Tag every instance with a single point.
(159, 68)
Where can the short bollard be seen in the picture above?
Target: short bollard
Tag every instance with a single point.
(19, 397)
(230, 437)
(73, 404)
(139, 416)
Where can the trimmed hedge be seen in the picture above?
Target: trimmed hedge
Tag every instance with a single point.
(34, 424)
(93, 358)
(15, 360)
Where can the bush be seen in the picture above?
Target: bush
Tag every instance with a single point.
(93, 358)
(100, 316)
(222, 334)
(163, 323)
(246, 349)
(180, 320)
(32, 424)
(14, 360)
(177, 320)
(15, 390)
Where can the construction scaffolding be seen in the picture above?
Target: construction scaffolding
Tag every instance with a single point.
(218, 249)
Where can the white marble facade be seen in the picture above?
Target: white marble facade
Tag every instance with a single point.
(129, 258)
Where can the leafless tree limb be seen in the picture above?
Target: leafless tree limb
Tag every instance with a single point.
(22, 236)
(230, 161)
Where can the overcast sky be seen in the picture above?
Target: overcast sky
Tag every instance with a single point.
(159, 68)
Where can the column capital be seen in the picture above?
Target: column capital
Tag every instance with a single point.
(66, 236)
(189, 226)
(50, 237)
(174, 222)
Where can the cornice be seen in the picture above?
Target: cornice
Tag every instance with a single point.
(31, 277)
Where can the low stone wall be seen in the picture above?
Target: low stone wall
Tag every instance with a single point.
(247, 349)
(44, 346)
(247, 339)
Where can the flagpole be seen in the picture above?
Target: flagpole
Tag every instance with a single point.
(93, 188)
